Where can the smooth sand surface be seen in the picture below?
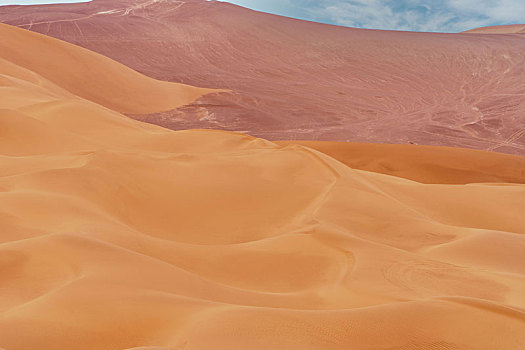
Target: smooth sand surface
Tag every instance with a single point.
(70, 67)
(116, 234)
(297, 80)
(427, 164)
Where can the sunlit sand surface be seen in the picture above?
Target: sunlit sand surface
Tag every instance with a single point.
(116, 234)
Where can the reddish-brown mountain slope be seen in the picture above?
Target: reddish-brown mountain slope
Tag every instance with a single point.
(292, 79)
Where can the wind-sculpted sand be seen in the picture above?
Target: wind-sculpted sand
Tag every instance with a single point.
(427, 164)
(508, 29)
(116, 234)
(296, 80)
(90, 75)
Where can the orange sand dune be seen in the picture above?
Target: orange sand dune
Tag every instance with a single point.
(70, 67)
(121, 235)
(427, 164)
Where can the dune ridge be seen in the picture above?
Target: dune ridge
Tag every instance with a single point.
(426, 164)
(504, 29)
(117, 234)
(59, 63)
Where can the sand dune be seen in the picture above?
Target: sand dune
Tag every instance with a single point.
(508, 29)
(116, 234)
(426, 164)
(292, 79)
(70, 68)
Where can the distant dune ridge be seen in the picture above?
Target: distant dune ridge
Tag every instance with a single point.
(426, 164)
(508, 29)
(117, 234)
(292, 79)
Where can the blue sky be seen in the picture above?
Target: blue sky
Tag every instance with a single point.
(417, 15)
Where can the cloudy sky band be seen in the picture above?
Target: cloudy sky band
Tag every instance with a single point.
(413, 15)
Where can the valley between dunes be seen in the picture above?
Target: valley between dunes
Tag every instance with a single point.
(116, 234)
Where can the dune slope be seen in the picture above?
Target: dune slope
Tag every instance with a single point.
(71, 68)
(116, 234)
(292, 79)
(426, 164)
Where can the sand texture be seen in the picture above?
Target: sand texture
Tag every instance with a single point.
(507, 29)
(426, 164)
(117, 234)
(111, 84)
(296, 80)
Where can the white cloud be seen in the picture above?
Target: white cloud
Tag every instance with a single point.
(504, 11)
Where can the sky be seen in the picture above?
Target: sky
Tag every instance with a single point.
(416, 15)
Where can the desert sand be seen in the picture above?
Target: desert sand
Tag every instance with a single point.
(506, 29)
(426, 164)
(297, 80)
(117, 234)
